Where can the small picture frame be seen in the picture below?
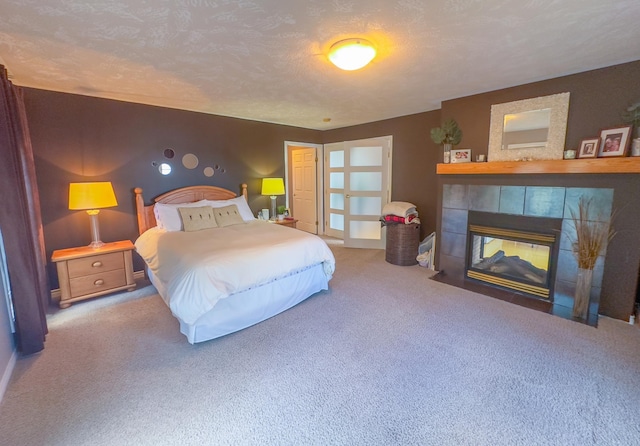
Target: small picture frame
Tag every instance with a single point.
(589, 148)
(461, 155)
(614, 141)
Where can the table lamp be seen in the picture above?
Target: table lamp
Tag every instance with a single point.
(92, 197)
(273, 187)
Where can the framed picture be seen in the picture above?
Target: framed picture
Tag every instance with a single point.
(589, 148)
(461, 156)
(615, 141)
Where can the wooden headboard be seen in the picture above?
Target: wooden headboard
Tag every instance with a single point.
(146, 217)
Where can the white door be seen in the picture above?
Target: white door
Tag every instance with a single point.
(303, 186)
(358, 185)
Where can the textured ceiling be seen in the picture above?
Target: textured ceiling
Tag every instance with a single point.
(265, 59)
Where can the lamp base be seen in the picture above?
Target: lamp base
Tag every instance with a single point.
(273, 208)
(95, 229)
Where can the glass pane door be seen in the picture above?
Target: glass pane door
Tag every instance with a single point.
(358, 177)
(334, 181)
(367, 169)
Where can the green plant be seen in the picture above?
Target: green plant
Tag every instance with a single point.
(591, 236)
(449, 133)
(632, 115)
(280, 209)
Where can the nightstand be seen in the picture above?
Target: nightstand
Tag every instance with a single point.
(89, 272)
(290, 223)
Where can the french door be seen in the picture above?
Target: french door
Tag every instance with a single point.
(357, 186)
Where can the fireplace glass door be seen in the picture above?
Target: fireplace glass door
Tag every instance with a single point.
(511, 259)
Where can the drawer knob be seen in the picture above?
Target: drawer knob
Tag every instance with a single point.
(99, 282)
(97, 264)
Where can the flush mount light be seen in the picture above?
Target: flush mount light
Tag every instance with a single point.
(352, 54)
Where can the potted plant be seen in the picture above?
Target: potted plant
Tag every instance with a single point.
(448, 135)
(591, 237)
(632, 116)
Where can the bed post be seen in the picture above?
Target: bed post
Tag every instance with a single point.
(142, 215)
(244, 191)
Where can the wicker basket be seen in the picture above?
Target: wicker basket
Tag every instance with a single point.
(402, 244)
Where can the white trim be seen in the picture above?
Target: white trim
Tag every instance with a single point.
(6, 376)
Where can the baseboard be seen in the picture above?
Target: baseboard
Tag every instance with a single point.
(6, 375)
(56, 294)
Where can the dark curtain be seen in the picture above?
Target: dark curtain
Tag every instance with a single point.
(21, 222)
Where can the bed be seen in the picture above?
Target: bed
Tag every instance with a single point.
(218, 280)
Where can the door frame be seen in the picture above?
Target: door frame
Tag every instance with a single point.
(288, 150)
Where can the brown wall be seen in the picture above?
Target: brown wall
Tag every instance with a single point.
(80, 138)
(597, 100)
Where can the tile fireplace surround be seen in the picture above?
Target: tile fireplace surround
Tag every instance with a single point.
(528, 201)
(547, 189)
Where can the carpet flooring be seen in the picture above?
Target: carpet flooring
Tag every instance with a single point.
(385, 357)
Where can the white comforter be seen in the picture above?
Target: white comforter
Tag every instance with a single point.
(199, 268)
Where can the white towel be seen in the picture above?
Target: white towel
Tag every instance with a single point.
(399, 208)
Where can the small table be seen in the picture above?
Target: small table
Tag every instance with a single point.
(290, 223)
(87, 272)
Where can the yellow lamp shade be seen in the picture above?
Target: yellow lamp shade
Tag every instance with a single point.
(95, 195)
(272, 186)
(351, 54)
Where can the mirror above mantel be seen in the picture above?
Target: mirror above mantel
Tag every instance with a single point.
(530, 129)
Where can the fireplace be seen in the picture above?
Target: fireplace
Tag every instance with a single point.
(516, 253)
(526, 222)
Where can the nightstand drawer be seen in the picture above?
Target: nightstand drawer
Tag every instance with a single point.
(95, 264)
(96, 283)
(86, 272)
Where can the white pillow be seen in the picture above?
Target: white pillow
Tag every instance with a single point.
(240, 202)
(168, 217)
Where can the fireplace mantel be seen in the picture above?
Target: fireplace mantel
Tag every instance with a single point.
(588, 166)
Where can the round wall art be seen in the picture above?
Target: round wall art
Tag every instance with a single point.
(190, 161)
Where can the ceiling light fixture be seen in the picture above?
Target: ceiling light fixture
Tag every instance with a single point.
(352, 54)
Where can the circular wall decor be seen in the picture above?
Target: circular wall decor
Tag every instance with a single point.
(169, 153)
(208, 171)
(190, 161)
(164, 168)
